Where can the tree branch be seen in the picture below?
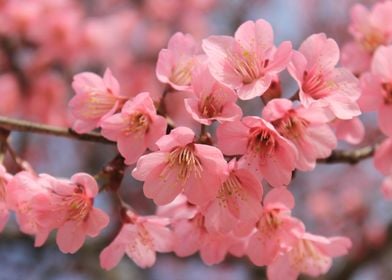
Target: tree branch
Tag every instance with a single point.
(26, 126)
(351, 157)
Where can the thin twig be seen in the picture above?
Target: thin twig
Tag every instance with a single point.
(27, 126)
(352, 157)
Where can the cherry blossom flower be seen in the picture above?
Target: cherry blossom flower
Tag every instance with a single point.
(312, 255)
(248, 62)
(237, 204)
(370, 30)
(73, 203)
(275, 228)
(136, 128)
(377, 88)
(139, 238)
(175, 64)
(95, 99)
(180, 164)
(352, 131)
(30, 201)
(306, 128)
(320, 82)
(211, 101)
(264, 151)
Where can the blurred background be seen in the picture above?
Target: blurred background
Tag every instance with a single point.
(43, 43)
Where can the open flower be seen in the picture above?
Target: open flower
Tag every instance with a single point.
(212, 100)
(180, 164)
(175, 64)
(139, 238)
(306, 128)
(95, 99)
(4, 179)
(312, 255)
(136, 128)
(248, 62)
(320, 82)
(264, 151)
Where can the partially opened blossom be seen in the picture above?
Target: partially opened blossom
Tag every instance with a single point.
(237, 204)
(370, 29)
(4, 179)
(72, 201)
(311, 255)
(95, 99)
(320, 82)
(264, 150)
(176, 63)
(136, 128)
(140, 238)
(212, 100)
(377, 88)
(179, 165)
(274, 232)
(306, 128)
(248, 62)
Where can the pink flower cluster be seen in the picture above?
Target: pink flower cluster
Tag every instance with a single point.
(209, 187)
(370, 56)
(43, 203)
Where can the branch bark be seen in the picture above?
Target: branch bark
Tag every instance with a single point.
(26, 126)
(351, 157)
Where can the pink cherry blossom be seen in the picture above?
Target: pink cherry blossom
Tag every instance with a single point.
(320, 82)
(180, 164)
(4, 179)
(211, 101)
(306, 128)
(311, 255)
(136, 128)
(377, 88)
(27, 196)
(73, 202)
(175, 64)
(139, 238)
(238, 202)
(248, 62)
(264, 151)
(352, 131)
(275, 228)
(386, 187)
(370, 30)
(95, 99)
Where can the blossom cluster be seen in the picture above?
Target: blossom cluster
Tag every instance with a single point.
(209, 188)
(369, 55)
(219, 176)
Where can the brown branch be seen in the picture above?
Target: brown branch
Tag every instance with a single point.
(26, 126)
(351, 157)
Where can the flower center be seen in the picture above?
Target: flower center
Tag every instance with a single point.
(185, 160)
(97, 105)
(247, 65)
(137, 122)
(182, 72)
(387, 87)
(291, 126)
(262, 141)
(230, 188)
(316, 86)
(210, 106)
(372, 40)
